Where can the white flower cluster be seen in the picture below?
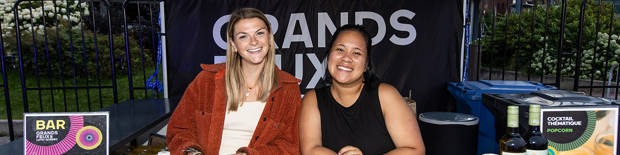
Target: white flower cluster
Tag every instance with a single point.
(34, 20)
(589, 63)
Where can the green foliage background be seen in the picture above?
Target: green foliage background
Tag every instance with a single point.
(71, 41)
(516, 45)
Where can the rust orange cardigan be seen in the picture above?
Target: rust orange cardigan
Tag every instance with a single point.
(198, 120)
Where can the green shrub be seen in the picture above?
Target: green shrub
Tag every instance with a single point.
(517, 49)
(83, 51)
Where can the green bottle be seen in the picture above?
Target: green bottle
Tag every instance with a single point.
(536, 141)
(512, 143)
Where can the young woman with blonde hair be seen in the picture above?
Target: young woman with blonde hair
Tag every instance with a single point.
(245, 106)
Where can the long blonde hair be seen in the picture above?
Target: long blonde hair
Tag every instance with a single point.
(235, 82)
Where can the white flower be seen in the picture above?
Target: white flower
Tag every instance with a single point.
(75, 19)
(74, 14)
(48, 3)
(63, 10)
(36, 15)
(48, 8)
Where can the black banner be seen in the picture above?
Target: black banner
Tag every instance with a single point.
(415, 43)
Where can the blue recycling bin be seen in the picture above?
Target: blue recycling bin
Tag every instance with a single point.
(468, 95)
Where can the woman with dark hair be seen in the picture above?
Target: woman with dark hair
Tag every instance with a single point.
(355, 113)
(245, 106)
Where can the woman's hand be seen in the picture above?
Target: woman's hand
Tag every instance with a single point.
(350, 150)
(196, 152)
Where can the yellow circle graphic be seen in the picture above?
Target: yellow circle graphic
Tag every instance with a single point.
(552, 150)
(89, 137)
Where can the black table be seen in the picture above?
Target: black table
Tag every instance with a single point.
(128, 120)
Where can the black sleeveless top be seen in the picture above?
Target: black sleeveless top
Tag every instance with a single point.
(360, 125)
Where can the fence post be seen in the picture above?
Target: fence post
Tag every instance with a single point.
(127, 51)
(5, 85)
(579, 46)
(545, 40)
(558, 68)
(114, 87)
(19, 51)
(596, 49)
(611, 28)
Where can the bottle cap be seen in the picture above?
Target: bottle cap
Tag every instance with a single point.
(534, 117)
(534, 108)
(513, 117)
(513, 110)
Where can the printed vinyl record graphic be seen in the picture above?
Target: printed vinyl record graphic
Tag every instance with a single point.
(89, 137)
(571, 137)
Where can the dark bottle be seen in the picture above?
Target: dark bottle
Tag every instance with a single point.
(512, 143)
(536, 141)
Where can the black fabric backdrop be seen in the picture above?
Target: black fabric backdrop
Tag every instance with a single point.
(423, 63)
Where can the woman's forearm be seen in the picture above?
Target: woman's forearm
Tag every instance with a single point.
(406, 150)
(319, 150)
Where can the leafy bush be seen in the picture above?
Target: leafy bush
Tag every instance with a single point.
(589, 65)
(32, 13)
(83, 51)
(518, 52)
(66, 43)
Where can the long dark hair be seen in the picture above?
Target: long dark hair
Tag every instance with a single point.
(370, 78)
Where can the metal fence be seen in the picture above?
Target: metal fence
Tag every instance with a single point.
(523, 42)
(79, 55)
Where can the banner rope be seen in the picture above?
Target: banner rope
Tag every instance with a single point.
(154, 84)
(467, 21)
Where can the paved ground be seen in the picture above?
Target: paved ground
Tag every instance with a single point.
(4, 130)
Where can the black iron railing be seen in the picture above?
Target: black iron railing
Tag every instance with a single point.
(539, 41)
(70, 65)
